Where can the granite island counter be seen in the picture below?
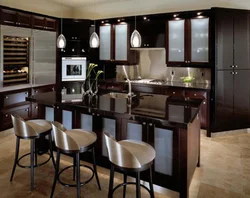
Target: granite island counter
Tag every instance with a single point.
(170, 124)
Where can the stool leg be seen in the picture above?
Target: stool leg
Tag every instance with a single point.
(138, 187)
(74, 168)
(32, 149)
(124, 187)
(35, 153)
(78, 176)
(56, 172)
(151, 183)
(95, 169)
(51, 150)
(16, 157)
(111, 181)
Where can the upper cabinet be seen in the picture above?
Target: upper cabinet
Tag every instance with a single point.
(27, 20)
(10, 17)
(44, 23)
(114, 43)
(152, 32)
(187, 41)
(232, 39)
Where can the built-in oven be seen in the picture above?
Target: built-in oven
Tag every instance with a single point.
(74, 68)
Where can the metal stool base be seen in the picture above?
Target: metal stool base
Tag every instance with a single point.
(74, 185)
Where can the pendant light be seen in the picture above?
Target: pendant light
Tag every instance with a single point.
(135, 39)
(94, 40)
(61, 40)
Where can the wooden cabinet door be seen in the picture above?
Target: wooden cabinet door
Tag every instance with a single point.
(224, 103)
(50, 24)
(241, 98)
(8, 17)
(224, 40)
(241, 40)
(11, 99)
(24, 20)
(38, 22)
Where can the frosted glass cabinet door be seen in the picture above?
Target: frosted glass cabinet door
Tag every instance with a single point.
(199, 40)
(105, 42)
(176, 41)
(121, 42)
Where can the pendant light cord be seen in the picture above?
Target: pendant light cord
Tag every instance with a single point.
(61, 14)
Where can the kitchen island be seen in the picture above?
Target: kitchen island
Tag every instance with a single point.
(170, 124)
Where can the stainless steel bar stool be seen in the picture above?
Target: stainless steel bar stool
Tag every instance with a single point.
(30, 130)
(74, 142)
(129, 156)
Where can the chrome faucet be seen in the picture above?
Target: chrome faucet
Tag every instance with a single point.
(130, 93)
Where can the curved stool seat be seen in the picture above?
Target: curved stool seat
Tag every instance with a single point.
(84, 139)
(30, 130)
(74, 141)
(129, 156)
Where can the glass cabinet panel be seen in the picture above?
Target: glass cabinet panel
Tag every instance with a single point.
(49, 114)
(67, 119)
(109, 126)
(105, 42)
(134, 131)
(87, 122)
(176, 41)
(199, 40)
(121, 42)
(164, 151)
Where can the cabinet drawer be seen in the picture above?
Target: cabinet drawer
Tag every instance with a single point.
(14, 98)
(146, 89)
(195, 94)
(22, 111)
(114, 87)
(35, 110)
(38, 90)
(174, 92)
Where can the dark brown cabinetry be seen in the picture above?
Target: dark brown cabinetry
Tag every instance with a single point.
(152, 32)
(232, 84)
(10, 17)
(44, 23)
(114, 44)
(187, 40)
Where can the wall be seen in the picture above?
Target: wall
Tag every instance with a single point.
(42, 6)
(152, 65)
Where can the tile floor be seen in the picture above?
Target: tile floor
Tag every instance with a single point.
(224, 172)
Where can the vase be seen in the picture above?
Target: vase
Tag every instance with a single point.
(95, 87)
(86, 87)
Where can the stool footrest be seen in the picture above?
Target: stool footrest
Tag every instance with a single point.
(130, 183)
(36, 165)
(74, 185)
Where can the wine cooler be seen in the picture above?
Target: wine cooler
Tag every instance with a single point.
(15, 60)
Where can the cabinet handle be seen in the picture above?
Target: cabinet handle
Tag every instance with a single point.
(204, 102)
(235, 72)
(188, 61)
(173, 92)
(232, 73)
(26, 109)
(53, 89)
(144, 123)
(232, 66)
(144, 45)
(98, 114)
(147, 44)
(236, 66)
(26, 93)
(150, 124)
(73, 50)
(6, 115)
(36, 91)
(83, 50)
(194, 94)
(6, 97)
(36, 107)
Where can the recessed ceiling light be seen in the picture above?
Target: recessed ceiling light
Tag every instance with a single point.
(118, 20)
(199, 13)
(175, 15)
(102, 21)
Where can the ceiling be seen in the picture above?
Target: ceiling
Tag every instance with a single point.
(101, 9)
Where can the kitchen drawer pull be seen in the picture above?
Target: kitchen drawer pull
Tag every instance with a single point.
(173, 92)
(235, 72)
(236, 66)
(204, 102)
(36, 91)
(36, 107)
(6, 115)
(232, 73)
(150, 124)
(194, 94)
(6, 97)
(144, 123)
(98, 114)
(26, 109)
(93, 114)
(26, 93)
(232, 66)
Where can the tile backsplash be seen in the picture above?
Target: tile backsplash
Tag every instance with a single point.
(152, 65)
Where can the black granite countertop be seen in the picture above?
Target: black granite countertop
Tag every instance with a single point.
(169, 110)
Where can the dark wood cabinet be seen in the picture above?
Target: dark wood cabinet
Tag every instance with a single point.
(152, 32)
(114, 44)
(38, 22)
(12, 98)
(8, 17)
(232, 39)
(50, 24)
(188, 41)
(24, 20)
(44, 23)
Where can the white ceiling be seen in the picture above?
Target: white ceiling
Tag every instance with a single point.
(101, 9)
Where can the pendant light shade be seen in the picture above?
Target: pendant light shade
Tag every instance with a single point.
(61, 41)
(135, 39)
(94, 40)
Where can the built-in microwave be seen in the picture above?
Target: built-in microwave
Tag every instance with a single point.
(74, 68)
